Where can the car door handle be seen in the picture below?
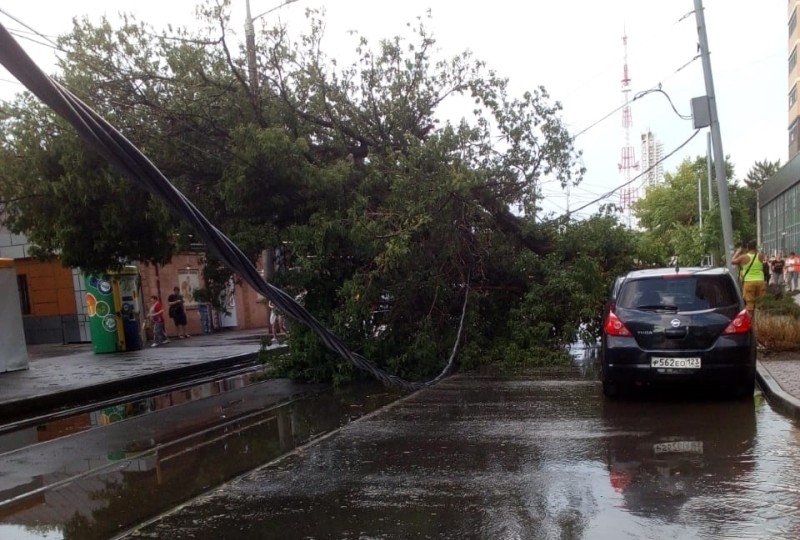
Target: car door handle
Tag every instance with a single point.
(676, 333)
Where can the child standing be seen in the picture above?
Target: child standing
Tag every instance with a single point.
(156, 315)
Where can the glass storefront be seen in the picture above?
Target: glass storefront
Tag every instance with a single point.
(780, 223)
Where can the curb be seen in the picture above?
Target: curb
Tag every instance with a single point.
(49, 402)
(779, 398)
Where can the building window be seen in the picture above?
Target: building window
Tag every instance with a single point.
(793, 96)
(792, 60)
(792, 22)
(24, 294)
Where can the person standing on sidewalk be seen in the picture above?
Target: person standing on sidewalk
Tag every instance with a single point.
(792, 269)
(177, 313)
(276, 322)
(156, 315)
(776, 268)
(752, 272)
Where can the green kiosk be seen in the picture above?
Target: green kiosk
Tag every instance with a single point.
(112, 305)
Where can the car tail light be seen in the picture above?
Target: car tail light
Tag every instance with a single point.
(614, 326)
(741, 324)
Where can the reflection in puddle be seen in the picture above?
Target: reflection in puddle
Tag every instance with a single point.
(102, 481)
(663, 454)
(105, 416)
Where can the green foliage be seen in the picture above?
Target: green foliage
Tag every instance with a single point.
(385, 213)
(779, 305)
(760, 172)
(670, 216)
(69, 201)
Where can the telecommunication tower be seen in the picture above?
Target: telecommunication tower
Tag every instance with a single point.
(628, 163)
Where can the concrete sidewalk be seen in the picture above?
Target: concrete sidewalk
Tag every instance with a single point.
(62, 375)
(778, 376)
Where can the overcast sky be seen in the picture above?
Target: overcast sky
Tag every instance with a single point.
(573, 48)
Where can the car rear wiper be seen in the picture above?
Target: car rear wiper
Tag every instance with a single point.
(654, 307)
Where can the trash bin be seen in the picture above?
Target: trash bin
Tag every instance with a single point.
(126, 283)
(100, 311)
(205, 318)
(133, 336)
(112, 306)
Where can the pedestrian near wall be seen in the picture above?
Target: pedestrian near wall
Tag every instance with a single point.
(156, 315)
(177, 312)
(792, 271)
(277, 324)
(776, 268)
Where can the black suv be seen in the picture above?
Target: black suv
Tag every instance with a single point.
(677, 325)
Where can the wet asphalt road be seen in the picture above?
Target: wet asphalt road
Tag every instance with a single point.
(97, 473)
(535, 458)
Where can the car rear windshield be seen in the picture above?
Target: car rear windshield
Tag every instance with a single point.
(684, 293)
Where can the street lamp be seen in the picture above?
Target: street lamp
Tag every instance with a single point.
(252, 72)
(250, 42)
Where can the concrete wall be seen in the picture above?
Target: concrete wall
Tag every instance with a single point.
(13, 246)
(54, 316)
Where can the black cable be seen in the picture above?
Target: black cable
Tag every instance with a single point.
(632, 180)
(121, 153)
(636, 96)
(29, 27)
(640, 95)
(681, 116)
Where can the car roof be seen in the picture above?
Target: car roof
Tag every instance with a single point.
(659, 272)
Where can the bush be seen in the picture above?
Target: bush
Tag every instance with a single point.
(779, 305)
(778, 332)
(778, 322)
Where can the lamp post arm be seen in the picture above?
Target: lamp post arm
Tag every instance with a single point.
(286, 3)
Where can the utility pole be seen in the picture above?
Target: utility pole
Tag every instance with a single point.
(716, 137)
(250, 43)
(709, 174)
(710, 190)
(267, 255)
(700, 202)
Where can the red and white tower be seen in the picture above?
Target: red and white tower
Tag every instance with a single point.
(628, 164)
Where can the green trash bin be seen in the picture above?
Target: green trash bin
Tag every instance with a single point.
(112, 306)
(103, 320)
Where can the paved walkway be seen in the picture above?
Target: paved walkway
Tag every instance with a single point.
(779, 377)
(59, 375)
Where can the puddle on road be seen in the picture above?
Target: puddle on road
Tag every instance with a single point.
(144, 477)
(482, 458)
(70, 425)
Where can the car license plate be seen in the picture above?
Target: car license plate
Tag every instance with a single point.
(683, 447)
(675, 363)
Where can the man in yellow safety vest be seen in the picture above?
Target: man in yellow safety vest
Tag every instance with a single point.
(752, 267)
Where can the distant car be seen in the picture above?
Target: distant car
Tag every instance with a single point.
(677, 325)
